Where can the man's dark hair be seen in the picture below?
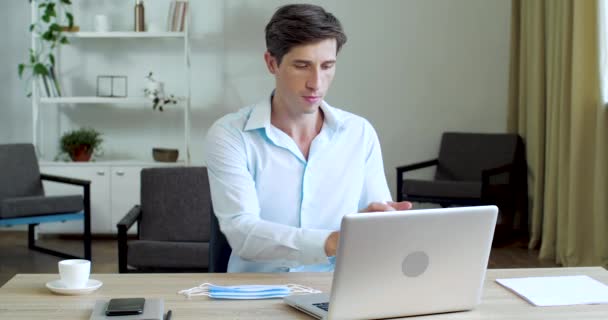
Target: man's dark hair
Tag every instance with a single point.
(298, 24)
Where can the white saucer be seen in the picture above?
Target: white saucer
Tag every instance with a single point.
(58, 287)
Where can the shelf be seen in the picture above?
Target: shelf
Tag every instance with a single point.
(118, 162)
(125, 34)
(97, 100)
(134, 101)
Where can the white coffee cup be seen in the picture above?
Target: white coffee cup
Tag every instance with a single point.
(102, 23)
(74, 273)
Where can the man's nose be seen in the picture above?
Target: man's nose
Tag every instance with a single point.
(314, 80)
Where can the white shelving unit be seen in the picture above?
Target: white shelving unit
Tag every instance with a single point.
(115, 183)
(184, 101)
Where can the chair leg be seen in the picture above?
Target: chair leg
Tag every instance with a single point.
(31, 236)
(122, 251)
(31, 244)
(87, 224)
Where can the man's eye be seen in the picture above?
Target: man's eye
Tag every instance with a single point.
(328, 66)
(300, 66)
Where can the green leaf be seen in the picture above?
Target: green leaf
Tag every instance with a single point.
(46, 18)
(52, 59)
(32, 57)
(48, 35)
(54, 27)
(29, 95)
(50, 9)
(20, 69)
(42, 5)
(70, 19)
(40, 69)
(32, 26)
(64, 40)
(68, 2)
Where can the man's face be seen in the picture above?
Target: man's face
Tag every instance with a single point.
(304, 75)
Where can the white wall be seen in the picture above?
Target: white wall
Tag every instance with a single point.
(413, 68)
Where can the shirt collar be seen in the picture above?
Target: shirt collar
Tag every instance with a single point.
(260, 115)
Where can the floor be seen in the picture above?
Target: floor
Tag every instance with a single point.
(15, 257)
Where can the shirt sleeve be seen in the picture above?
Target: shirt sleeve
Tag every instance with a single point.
(375, 188)
(237, 208)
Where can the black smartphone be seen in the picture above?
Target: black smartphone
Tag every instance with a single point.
(125, 306)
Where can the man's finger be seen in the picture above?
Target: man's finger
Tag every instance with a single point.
(400, 206)
(379, 207)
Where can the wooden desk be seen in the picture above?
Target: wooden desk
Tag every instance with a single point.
(26, 297)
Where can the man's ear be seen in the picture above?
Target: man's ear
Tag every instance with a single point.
(271, 62)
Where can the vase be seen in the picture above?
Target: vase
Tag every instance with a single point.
(81, 154)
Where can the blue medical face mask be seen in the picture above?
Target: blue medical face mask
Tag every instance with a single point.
(246, 292)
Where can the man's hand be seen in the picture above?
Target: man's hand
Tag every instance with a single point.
(388, 206)
(331, 244)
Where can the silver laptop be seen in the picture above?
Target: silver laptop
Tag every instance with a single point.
(405, 263)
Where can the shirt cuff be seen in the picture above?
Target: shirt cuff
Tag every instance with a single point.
(313, 246)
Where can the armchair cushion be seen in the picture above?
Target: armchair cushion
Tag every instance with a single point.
(168, 254)
(19, 172)
(442, 188)
(39, 205)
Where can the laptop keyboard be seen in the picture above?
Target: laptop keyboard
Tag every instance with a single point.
(322, 305)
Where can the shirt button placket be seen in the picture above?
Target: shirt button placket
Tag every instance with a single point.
(305, 206)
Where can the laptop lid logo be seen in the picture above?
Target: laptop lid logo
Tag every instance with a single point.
(415, 264)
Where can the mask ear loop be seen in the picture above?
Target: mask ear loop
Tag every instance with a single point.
(300, 289)
(201, 290)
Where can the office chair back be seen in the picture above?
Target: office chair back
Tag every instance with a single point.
(19, 171)
(463, 156)
(219, 249)
(176, 204)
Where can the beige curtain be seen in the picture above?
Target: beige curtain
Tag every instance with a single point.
(555, 105)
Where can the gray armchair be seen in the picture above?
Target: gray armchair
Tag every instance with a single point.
(474, 169)
(174, 223)
(23, 201)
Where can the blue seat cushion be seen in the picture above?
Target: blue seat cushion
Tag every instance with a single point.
(40, 205)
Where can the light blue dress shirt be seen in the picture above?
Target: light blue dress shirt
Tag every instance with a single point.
(277, 208)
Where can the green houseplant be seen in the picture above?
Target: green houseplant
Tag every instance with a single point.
(80, 144)
(49, 33)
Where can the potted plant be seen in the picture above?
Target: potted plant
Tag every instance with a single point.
(41, 61)
(155, 91)
(80, 144)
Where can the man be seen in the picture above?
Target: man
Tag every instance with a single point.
(283, 172)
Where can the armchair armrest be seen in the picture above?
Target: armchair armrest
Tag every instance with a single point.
(123, 226)
(411, 167)
(488, 173)
(74, 181)
(129, 219)
(86, 188)
(416, 166)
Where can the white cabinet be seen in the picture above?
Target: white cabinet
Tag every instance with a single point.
(115, 189)
(125, 186)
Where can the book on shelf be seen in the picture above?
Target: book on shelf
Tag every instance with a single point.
(55, 82)
(178, 13)
(43, 88)
(48, 85)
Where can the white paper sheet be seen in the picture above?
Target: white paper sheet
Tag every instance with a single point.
(558, 291)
